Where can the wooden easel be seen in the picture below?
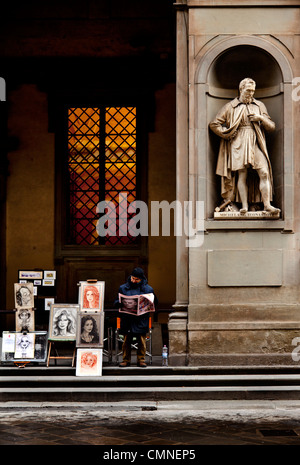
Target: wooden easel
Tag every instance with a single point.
(59, 357)
(21, 364)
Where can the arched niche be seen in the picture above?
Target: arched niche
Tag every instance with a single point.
(217, 79)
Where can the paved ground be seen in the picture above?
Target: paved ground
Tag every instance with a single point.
(151, 423)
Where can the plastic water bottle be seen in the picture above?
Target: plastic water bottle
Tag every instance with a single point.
(165, 356)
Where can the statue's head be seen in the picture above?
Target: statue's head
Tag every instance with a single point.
(247, 88)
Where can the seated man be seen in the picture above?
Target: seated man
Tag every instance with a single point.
(131, 325)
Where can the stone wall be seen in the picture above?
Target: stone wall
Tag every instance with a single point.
(243, 282)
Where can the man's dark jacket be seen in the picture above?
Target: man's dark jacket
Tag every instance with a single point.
(132, 323)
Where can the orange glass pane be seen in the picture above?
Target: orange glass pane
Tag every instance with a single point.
(83, 150)
(83, 132)
(86, 178)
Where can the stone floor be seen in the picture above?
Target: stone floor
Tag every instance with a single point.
(151, 424)
(142, 433)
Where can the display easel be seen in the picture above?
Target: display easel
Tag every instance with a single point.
(93, 310)
(40, 348)
(60, 357)
(21, 364)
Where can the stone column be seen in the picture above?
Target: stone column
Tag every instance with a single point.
(178, 319)
(3, 176)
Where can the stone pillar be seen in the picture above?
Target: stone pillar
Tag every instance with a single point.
(3, 177)
(182, 154)
(178, 320)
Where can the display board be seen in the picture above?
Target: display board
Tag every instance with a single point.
(43, 283)
(24, 347)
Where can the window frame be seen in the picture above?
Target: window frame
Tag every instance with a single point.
(62, 248)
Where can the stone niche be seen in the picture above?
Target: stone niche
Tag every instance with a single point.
(242, 284)
(217, 78)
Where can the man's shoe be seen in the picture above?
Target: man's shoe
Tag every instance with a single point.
(142, 364)
(124, 364)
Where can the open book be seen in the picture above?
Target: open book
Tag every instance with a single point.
(136, 304)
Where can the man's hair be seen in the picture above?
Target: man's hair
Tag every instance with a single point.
(244, 82)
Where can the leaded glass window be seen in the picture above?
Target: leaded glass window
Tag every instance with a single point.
(102, 165)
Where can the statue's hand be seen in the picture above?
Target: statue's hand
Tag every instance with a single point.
(233, 135)
(255, 118)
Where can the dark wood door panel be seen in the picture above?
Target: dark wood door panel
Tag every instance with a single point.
(114, 271)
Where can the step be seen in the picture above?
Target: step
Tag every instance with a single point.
(112, 370)
(57, 384)
(115, 394)
(144, 380)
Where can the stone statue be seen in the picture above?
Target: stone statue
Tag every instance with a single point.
(241, 124)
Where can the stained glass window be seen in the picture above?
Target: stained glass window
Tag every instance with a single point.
(102, 166)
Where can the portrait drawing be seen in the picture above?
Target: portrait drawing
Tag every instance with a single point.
(24, 295)
(24, 319)
(89, 362)
(91, 295)
(63, 321)
(24, 345)
(90, 329)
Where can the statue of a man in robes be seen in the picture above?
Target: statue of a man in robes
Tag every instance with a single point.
(241, 124)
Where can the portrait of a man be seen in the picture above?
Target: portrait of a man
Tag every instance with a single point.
(129, 304)
(24, 319)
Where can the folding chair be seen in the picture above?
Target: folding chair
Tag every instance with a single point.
(119, 338)
(109, 352)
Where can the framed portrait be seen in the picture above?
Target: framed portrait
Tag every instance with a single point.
(89, 362)
(11, 352)
(90, 329)
(24, 319)
(24, 346)
(91, 295)
(49, 274)
(48, 302)
(24, 295)
(63, 322)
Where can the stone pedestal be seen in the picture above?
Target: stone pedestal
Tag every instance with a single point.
(178, 343)
(241, 290)
(236, 215)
